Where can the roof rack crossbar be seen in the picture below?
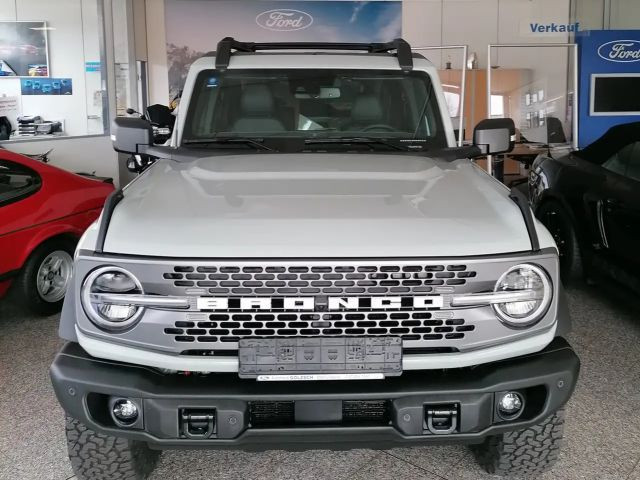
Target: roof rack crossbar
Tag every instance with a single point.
(227, 44)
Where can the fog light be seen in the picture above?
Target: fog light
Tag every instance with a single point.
(510, 405)
(125, 410)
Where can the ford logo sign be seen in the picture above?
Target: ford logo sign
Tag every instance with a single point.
(620, 51)
(284, 20)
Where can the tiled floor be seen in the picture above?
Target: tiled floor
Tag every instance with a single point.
(603, 418)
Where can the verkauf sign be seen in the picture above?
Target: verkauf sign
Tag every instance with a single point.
(554, 27)
(620, 51)
(284, 20)
(547, 28)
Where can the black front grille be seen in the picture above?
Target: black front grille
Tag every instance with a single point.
(271, 414)
(315, 280)
(425, 325)
(366, 412)
(231, 327)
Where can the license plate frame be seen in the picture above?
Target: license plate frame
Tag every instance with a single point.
(319, 358)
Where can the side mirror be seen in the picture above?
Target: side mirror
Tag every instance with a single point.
(129, 134)
(495, 135)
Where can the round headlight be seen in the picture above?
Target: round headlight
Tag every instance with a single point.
(106, 313)
(523, 278)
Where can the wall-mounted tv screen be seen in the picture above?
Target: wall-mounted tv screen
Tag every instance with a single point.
(23, 49)
(615, 94)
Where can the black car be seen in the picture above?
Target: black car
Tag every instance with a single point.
(590, 202)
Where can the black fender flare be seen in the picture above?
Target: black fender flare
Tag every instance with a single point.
(551, 195)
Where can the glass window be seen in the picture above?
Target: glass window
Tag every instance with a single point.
(633, 170)
(619, 161)
(305, 103)
(453, 103)
(52, 78)
(536, 86)
(497, 106)
(16, 182)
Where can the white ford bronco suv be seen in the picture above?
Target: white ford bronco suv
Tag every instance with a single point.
(311, 262)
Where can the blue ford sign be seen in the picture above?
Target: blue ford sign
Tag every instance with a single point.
(620, 51)
(284, 20)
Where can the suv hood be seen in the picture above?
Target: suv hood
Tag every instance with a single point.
(316, 205)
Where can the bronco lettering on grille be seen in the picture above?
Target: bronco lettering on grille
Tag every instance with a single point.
(310, 303)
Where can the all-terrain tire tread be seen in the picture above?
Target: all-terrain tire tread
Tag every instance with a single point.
(524, 453)
(95, 456)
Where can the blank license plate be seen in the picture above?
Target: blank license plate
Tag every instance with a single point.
(318, 358)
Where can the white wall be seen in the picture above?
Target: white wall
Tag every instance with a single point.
(478, 23)
(157, 53)
(590, 13)
(93, 80)
(625, 14)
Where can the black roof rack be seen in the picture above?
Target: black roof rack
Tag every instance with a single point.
(227, 44)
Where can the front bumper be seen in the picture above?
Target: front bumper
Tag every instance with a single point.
(84, 385)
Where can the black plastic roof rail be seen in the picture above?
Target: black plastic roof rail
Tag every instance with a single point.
(109, 206)
(523, 204)
(227, 44)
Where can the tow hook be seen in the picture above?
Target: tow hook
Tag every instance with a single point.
(197, 424)
(442, 419)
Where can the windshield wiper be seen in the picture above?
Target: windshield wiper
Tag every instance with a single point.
(354, 140)
(254, 142)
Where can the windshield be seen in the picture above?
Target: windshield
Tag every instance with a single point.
(314, 104)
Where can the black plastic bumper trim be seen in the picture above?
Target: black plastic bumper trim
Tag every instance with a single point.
(76, 376)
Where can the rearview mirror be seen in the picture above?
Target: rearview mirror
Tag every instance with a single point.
(495, 135)
(129, 134)
(323, 94)
(160, 115)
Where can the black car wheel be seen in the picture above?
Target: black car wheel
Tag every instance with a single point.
(45, 277)
(554, 216)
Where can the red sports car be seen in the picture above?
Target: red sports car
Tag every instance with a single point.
(43, 212)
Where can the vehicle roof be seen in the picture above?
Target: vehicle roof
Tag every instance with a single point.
(304, 59)
(21, 159)
(614, 139)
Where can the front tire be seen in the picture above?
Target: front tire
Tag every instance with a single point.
(523, 453)
(95, 456)
(45, 276)
(555, 217)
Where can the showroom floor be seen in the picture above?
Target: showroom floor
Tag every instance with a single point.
(603, 421)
